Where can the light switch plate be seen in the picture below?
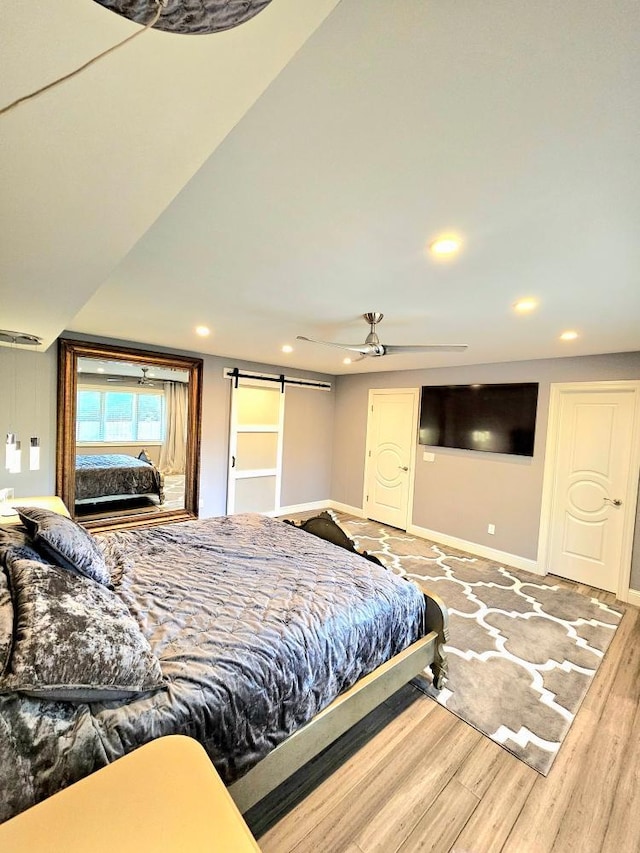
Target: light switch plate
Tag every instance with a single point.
(428, 457)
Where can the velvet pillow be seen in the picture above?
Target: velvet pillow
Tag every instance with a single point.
(64, 542)
(16, 541)
(6, 621)
(74, 640)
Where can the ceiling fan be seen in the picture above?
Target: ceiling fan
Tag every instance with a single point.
(142, 380)
(373, 347)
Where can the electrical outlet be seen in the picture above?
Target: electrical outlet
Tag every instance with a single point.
(491, 529)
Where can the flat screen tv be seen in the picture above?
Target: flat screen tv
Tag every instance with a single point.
(493, 418)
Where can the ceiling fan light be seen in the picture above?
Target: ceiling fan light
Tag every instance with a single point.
(372, 346)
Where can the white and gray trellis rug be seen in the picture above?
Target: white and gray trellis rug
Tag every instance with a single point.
(522, 651)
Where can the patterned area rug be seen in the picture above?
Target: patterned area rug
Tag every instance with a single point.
(522, 651)
(173, 491)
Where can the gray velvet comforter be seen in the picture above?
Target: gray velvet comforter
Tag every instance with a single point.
(257, 626)
(101, 475)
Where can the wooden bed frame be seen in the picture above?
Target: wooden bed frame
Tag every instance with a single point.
(356, 702)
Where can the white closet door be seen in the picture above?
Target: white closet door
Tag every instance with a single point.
(391, 451)
(255, 448)
(592, 476)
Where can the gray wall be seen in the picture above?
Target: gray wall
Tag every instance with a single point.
(463, 491)
(32, 379)
(304, 474)
(28, 382)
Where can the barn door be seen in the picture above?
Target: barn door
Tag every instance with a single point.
(255, 447)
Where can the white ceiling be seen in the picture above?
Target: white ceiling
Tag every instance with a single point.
(87, 167)
(515, 125)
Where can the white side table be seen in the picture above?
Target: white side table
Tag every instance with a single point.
(44, 502)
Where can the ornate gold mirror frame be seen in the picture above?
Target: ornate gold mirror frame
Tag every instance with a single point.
(69, 354)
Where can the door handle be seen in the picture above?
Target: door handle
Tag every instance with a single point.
(613, 501)
(233, 461)
(403, 467)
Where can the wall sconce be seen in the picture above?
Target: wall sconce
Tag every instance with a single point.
(10, 449)
(34, 454)
(16, 459)
(13, 447)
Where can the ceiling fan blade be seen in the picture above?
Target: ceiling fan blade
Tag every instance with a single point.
(396, 350)
(363, 349)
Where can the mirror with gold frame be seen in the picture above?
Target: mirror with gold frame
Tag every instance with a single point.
(128, 446)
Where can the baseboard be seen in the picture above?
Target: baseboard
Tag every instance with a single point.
(308, 507)
(634, 597)
(351, 510)
(502, 557)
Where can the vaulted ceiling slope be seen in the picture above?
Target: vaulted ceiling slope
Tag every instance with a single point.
(87, 167)
(514, 124)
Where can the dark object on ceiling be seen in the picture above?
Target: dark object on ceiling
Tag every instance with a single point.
(190, 17)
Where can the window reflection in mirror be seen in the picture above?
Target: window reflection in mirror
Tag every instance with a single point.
(129, 434)
(131, 437)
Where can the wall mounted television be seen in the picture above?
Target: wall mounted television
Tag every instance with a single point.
(493, 418)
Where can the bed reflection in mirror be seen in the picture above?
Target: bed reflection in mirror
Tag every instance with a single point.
(130, 434)
(131, 437)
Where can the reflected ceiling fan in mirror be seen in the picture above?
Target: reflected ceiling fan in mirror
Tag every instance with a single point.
(142, 380)
(373, 347)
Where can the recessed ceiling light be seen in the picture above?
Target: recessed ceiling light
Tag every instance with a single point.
(203, 331)
(100, 369)
(445, 246)
(568, 336)
(522, 306)
(346, 360)
(287, 348)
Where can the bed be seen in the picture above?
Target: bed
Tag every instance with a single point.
(261, 641)
(100, 476)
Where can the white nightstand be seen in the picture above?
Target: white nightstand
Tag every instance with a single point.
(44, 502)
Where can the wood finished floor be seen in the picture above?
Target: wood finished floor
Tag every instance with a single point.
(412, 777)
